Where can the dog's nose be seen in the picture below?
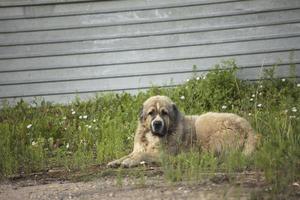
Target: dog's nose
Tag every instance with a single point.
(157, 124)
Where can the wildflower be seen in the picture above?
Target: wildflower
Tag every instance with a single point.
(84, 116)
(182, 97)
(33, 143)
(260, 86)
(286, 111)
(283, 80)
(260, 93)
(259, 105)
(80, 117)
(294, 109)
(198, 78)
(253, 95)
(142, 162)
(67, 145)
(249, 114)
(94, 120)
(73, 112)
(89, 126)
(298, 84)
(187, 80)
(224, 107)
(29, 126)
(64, 118)
(204, 77)
(292, 117)
(251, 99)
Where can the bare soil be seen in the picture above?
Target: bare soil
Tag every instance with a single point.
(100, 184)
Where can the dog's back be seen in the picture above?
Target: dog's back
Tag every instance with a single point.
(216, 132)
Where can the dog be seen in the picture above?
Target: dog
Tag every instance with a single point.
(162, 126)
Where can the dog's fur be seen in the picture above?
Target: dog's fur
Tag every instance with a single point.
(161, 125)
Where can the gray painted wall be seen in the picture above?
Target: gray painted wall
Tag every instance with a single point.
(59, 49)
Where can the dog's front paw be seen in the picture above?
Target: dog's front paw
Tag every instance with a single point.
(130, 162)
(114, 164)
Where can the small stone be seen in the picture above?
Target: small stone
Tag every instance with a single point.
(111, 194)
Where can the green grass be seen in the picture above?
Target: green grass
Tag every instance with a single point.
(43, 135)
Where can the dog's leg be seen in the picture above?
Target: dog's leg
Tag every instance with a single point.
(140, 158)
(117, 163)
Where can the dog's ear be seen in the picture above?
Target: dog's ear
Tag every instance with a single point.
(141, 114)
(175, 112)
(175, 109)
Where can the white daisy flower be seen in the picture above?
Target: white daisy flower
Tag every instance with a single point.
(33, 143)
(298, 84)
(294, 109)
(80, 117)
(251, 99)
(67, 145)
(142, 162)
(224, 107)
(253, 95)
(283, 80)
(249, 114)
(198, 78)
(260, 86)
(29, 126)
(259, 105)
(182, 97)
(187, 80)
(73, 112)
(64, 118)
(94, 120)
(84, 116)
(292, 117)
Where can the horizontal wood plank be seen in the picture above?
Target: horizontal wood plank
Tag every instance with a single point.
(107, 4)
(115, 84)
(129, 70)
(162, 28)
(16, 10)
(146, 16)
(153, 55)
(160, 41)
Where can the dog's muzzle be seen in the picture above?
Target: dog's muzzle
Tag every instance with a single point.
(157, 127)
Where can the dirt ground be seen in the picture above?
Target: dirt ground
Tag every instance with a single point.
(150, 186)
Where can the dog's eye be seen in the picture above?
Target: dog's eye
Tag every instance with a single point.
(151, 112)
(164, 112)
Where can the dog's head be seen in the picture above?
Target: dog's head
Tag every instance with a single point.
(159, 115)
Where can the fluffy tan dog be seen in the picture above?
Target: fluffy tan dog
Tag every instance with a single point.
(161, 125)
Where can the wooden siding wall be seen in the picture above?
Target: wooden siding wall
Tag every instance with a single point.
(57, 49)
